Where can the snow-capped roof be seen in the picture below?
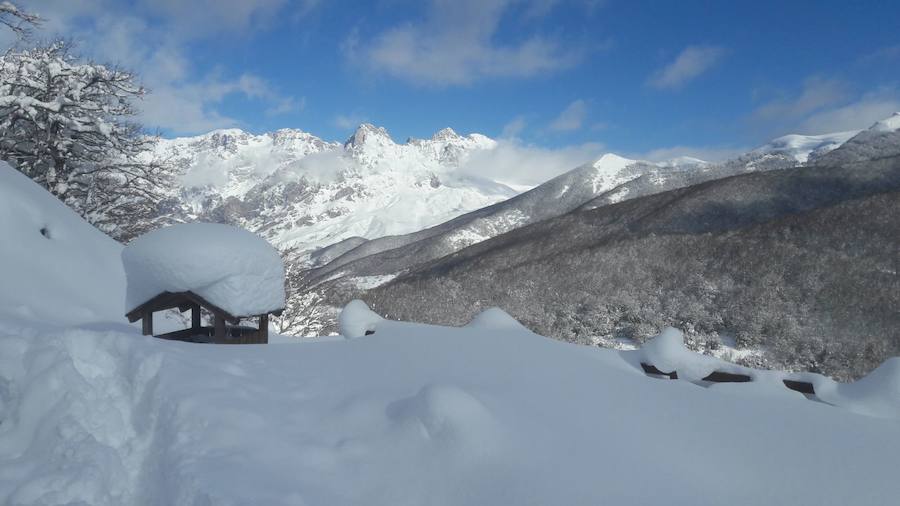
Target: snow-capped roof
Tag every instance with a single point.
(229, 267)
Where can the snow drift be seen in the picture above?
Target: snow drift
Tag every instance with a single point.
(57, 268)
(415, 414)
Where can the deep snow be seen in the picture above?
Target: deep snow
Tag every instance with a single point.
(55, 266)
(414, 414)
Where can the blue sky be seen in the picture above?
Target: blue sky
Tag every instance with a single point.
(654, 79)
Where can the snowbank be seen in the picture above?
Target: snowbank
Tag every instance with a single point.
(877, 394)
(356, 319)
(231, 268)
(57, 268)
(413, 414)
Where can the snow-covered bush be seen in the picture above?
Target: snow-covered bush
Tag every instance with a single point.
(66, 124)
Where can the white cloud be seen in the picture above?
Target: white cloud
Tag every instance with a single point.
(196, 18)
(687, 66)
(516, 163)
(571, 118)
(816, 93)
(455, 45)
(514, 127)
(856, 115)
(883, 55)
(180, 100)
(826, 106)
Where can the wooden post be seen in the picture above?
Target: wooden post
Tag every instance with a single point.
(195, 317)
(219, 335)
(147, 323)
(264, 328)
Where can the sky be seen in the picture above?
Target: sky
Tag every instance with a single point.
(650, 79)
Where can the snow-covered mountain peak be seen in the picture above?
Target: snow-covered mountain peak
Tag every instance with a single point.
(891, 124)
(445, 134)
(368, 134)
(611, 162)
(299, 190)
(801, 147)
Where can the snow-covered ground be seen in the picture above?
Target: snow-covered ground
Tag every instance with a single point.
(414, 414)
(53, 264)
(91, 412)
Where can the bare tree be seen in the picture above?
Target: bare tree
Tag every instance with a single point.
(68, 125)
(17, 20)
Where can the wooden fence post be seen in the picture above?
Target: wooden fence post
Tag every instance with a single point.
(219, 335)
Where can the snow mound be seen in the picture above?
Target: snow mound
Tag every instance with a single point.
(231, 268)
(356, 319)
(877, 394)
(495, 319)
(57, 268)
(891, 124)
(449, 416)
(71, 412)
(668, 353)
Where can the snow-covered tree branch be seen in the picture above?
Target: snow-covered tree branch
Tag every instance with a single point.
(17, 20)
(68, 125)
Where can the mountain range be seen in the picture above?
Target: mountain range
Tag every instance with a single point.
(364, 217)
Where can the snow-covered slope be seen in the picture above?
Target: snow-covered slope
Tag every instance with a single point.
(559, 195)
(802, 147)
(54, 266)
(484, 415)
(346, 269)
(881, 140)
(890, 124)
(302, 192)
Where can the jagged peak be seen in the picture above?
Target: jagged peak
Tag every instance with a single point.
(445, 134)
(365, 132)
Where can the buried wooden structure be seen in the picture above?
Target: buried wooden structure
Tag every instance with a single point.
(804, 387)
(219, 333)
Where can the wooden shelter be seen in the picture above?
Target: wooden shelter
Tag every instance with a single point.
(221, 332)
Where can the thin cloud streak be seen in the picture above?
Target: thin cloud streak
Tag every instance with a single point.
(571, 118)
(690, 64)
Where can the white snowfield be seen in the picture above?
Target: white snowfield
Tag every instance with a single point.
(231, 268)
(415, 414)
(55, 266)
(800, 147)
